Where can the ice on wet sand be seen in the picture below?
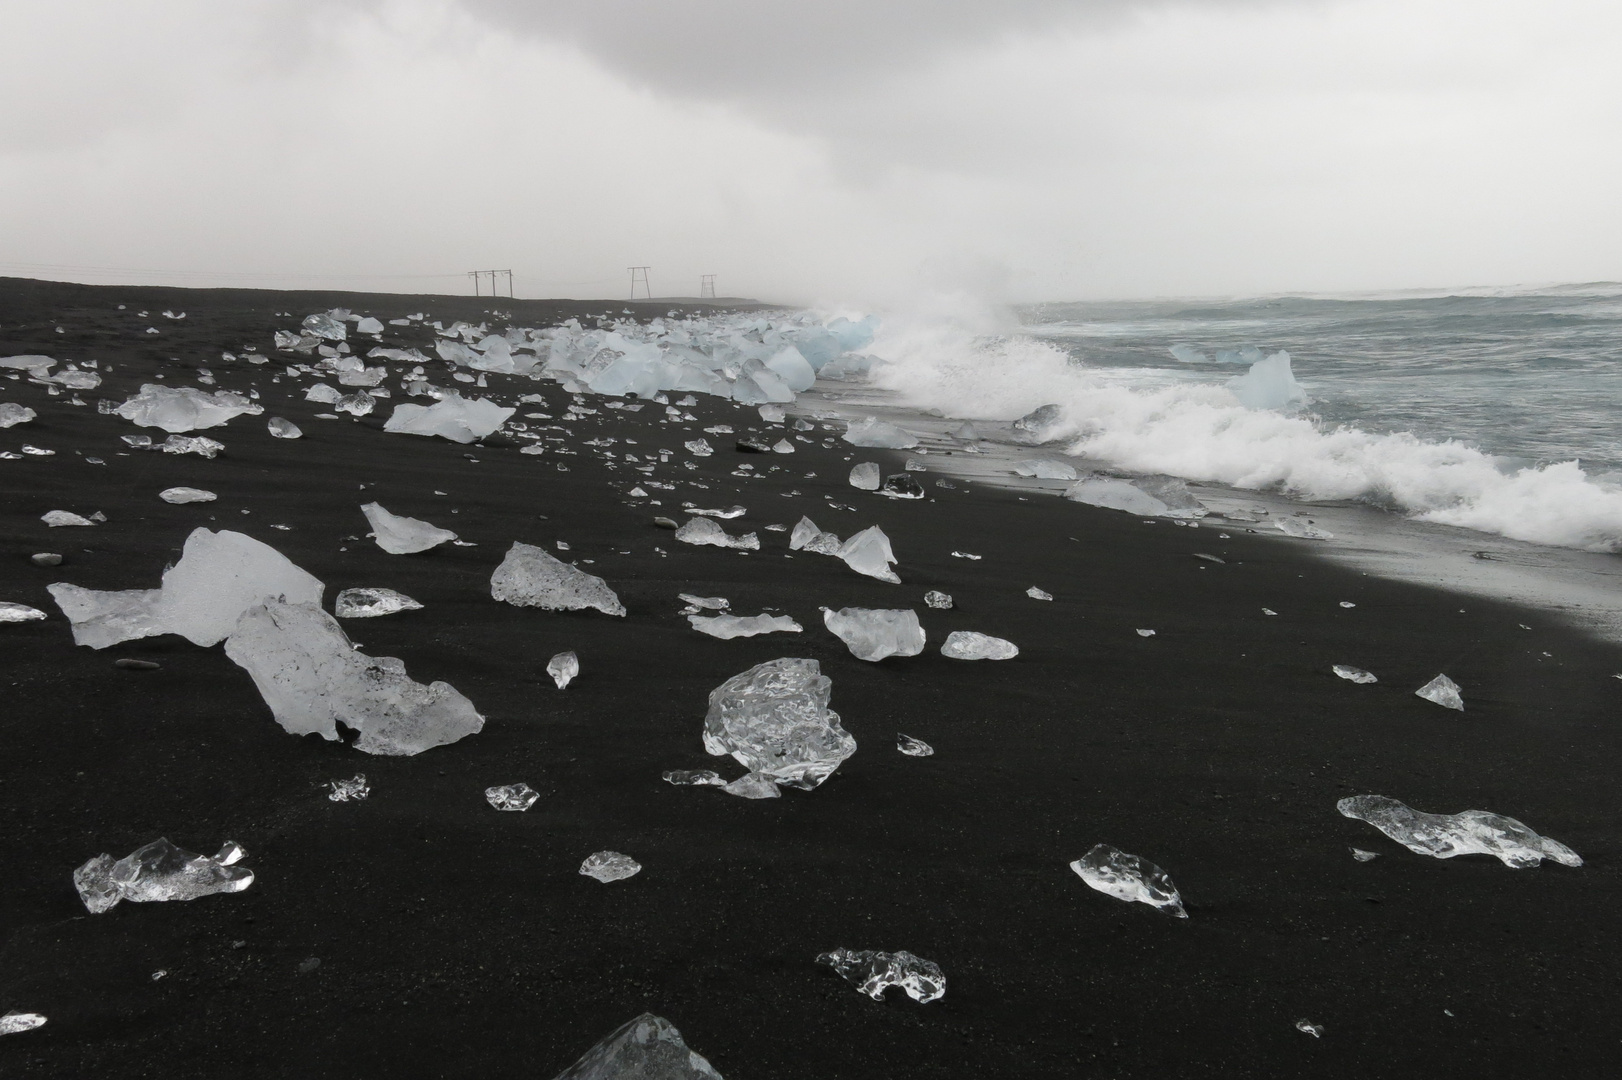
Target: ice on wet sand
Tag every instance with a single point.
(458, 419)
(647, 1048)
(19, 613)
(159, 871)
(913, 747)
(694, 778)
(875, 633)
(56, 519)
(12, 414)
(1045, 469)
(702, 531)
(727, 627)
(13, 1023)
(1444, 692)
(182, 408)
(400, 535)
(874, 432)
(283, 429)
(875, 972)
(101, 618)
(607, 866)
(807, 537)
(530, 577)
(1471, 832)
(868, 552)
(370, 603)
(968, 645)
(1129, 877)
(753, 785)
(1301, 529)
(355, 789)
(515, 797)
(938, 600)
(1352, 674)
(313, 679)
(181, 495)
(865, 476)
(774, 720)
(563, 668)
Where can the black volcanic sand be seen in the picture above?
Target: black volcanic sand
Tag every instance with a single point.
(457, 941)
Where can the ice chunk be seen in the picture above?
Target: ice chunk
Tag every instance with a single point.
(159, 871)
(1188, 354)
(222, 575)
(752, 785)
(322, 394)
(1173, 491)
(968, 645)
(1146, 633)
(1307, 1027)
(1269, 384)
(699, 447)
(647, 1048)
(938, 600)
(694, 778)
(789, 365)
(913, 747)
(708, 603)
(370, 603)
(865, 476)
(703, 531)
(877, 433)
(511, 796)
(725, 515)
(782, 446)
(1301, 529)
(368, 325)
(17, 613)
(563, 668)
(873, 634)
(1364, 856)
(868, 552)
(325, 326)
(806, 536)
(1352, 674)
(1038, 594)
(34, 364)
(965, 432)
(457, 419)
(11, 414)
(608, 866)
(1116, 495)
(1444, 691)
(355, 404)
(58, 518)
(1045, 469)
(313, 679)
(14, 1022)
(901, 486)
(774, 719)
(355, 789)
(101, 619)
(773, 414)
(1472, 832)
(191, 444)
(1129, 877)
(875, 972)
(283, 429)
(727, 627)
(403, 535)
(182, 408)
(180, 495)
(1038, 426)
(530, 577)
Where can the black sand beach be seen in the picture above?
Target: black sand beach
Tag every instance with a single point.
(456, 941)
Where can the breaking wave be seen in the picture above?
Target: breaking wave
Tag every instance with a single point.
(1200, 432)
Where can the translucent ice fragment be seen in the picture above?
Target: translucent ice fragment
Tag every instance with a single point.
(530, 577)
(15, 613)
(15, 1022)
(325, 326)
(901, 486)
(774, 719)
(1307, 1027)
(511, 796)
(699, 448)
(313, 679)
(807, 537)
(868, 552)
(647, 1048)
(938, 600)
(694, 778)
(191, 444)
(913, 747)
(1301, 529)
(12, 414)
(1146, 633)
(1352, 674)
(182, 408)
(1269, 384)
(708, 603)
(1045, 469)
(370, 603)
(1129, 877)
(752, 785)
(368, 325)
(965, 432)
(968, 645)
(563, 668)
(1444, 691)
(875, 972)
(1116, 495)
(608, 866)
(865, 476)
(1364, 856)
(101, 618)
(222, 575)
(727, 627)
(703, 531)
(159, 871)
(399, 535)
(726, 514)
(873, 634)
(874, 432)
(355, 789)
(283, 429)
(322, 394)
(1472, 832)
(1038, 594)
(359, 404)
(773, 414)
(58, 518)
(455, 418)
(180, 495)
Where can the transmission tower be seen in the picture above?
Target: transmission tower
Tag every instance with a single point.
(479, 275)
(706, 287)
(640, 274)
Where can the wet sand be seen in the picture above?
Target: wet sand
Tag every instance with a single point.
(454, 940)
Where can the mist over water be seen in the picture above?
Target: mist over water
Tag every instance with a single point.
(1500, 412)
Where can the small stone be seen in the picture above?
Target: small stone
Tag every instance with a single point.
(135, 665)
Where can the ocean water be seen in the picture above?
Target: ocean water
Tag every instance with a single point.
(1494, 411)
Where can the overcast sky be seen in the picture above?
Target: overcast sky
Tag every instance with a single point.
(832, 151)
